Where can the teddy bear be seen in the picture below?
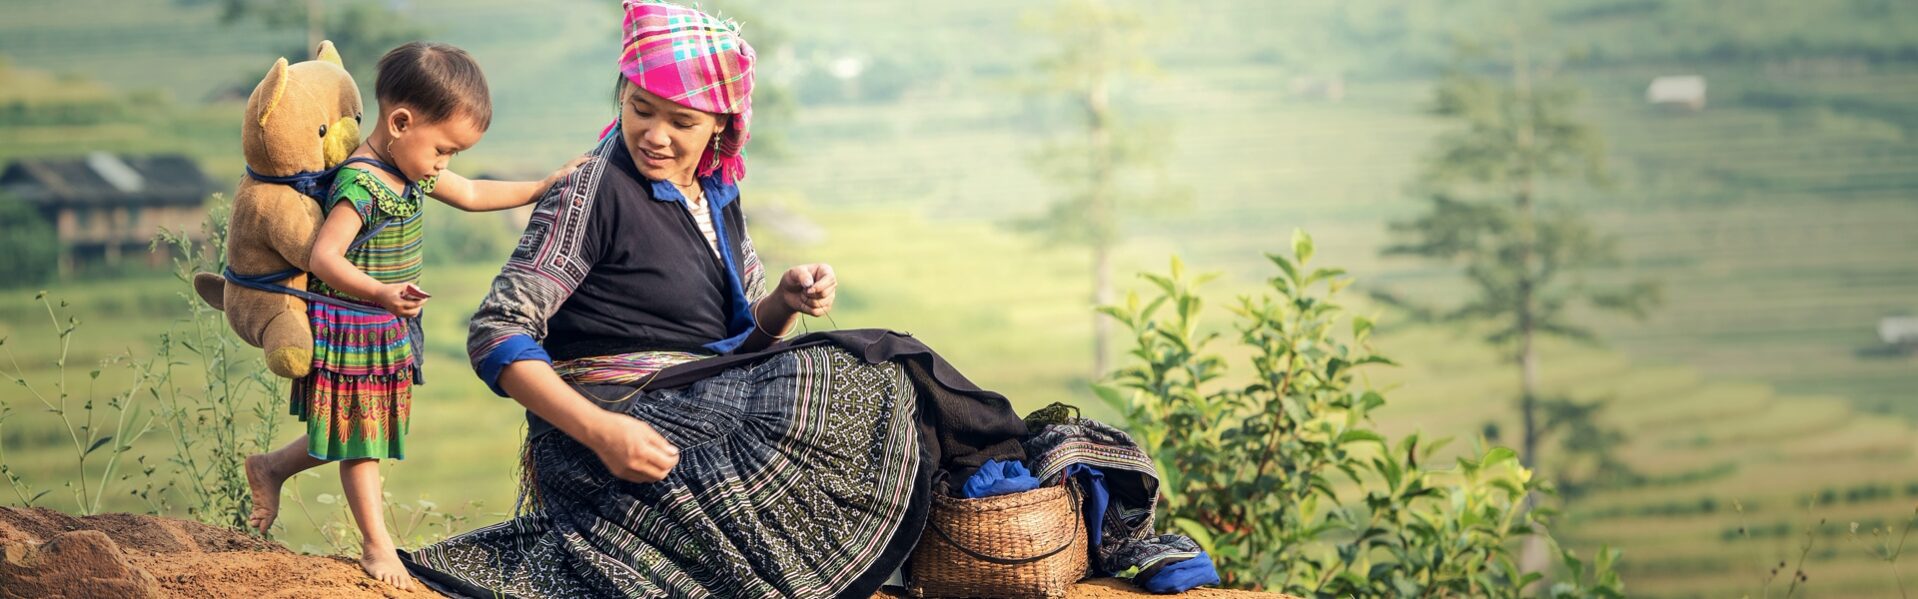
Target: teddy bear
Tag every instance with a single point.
(301, 121)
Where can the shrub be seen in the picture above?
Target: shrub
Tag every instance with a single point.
(29, 250)
(1278, 474)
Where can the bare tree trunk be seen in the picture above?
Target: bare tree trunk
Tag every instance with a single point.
(1103, 218)
(1533, 556)
(1527, 358)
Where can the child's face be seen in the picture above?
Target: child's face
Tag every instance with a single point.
(422, 149)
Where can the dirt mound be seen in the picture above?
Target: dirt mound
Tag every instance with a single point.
(50, 554)
(54, 555)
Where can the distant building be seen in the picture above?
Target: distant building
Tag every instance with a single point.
(1899, 331)
(1684, 91)
(104, 206)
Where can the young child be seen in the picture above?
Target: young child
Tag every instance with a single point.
(433, 104)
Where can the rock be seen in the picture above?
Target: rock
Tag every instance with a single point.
(83, 563)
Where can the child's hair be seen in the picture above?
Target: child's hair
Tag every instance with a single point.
(437, 80)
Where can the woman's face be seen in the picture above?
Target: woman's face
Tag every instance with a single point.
(667, 140)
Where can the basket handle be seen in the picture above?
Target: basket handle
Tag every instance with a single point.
(1078, 529)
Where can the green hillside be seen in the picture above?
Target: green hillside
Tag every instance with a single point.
(1782, 221)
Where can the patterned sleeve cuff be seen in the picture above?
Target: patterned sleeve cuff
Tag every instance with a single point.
(510, 350)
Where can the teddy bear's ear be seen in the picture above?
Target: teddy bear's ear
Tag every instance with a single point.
(271, 88)
(328, 54)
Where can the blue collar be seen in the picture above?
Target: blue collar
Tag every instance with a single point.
(717, 193)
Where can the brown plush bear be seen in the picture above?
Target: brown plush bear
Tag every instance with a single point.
(302, 118)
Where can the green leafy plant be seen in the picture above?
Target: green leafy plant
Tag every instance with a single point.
(230, 413)
(101, 431)
(1887, 545)
(1277, 471)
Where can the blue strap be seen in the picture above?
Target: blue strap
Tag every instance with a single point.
(270, 283)
(315, 184)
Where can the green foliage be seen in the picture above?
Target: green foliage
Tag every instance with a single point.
(1484, 176)
(1524, 264)
(106, 427)
(231, 413)
(1278, 472)
(29, 248)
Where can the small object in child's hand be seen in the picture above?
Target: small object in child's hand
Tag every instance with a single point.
(412, 291)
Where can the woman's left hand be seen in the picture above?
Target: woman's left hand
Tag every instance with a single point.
(808, 289)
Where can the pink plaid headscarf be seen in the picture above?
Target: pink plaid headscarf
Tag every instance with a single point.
(696, 61)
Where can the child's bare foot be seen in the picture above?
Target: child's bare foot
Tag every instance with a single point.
(265, 484)
(382, 562)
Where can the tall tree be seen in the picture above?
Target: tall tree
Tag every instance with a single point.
(1100, 163)
(1516, 142)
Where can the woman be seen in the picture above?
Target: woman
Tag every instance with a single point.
(742, 468)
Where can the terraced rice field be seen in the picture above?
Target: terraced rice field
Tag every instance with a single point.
(1782, 221)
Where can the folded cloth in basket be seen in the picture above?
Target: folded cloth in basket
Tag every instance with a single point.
(998, 478)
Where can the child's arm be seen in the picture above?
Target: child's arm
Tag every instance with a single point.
(486, 196)
(330, 265)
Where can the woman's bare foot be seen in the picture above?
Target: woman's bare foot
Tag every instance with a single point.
(382, 562)
(265, 484)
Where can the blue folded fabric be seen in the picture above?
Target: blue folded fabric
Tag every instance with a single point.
(1093, 483)
(1182, 576)
(999, 478)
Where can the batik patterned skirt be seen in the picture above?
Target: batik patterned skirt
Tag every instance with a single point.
(357, 399)
(794, 474)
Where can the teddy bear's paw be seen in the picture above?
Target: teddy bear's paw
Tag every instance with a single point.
(290, 362)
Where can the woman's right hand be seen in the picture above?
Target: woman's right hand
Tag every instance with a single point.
(395, 298)
(631, 449)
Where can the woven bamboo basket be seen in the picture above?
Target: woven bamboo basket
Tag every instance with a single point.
(1030, 544)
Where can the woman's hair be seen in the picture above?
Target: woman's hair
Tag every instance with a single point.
(437, 80)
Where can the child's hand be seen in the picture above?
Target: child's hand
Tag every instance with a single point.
(562, 173)
(402, 299)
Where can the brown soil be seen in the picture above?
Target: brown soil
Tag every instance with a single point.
(44, 553)
(50, 554)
